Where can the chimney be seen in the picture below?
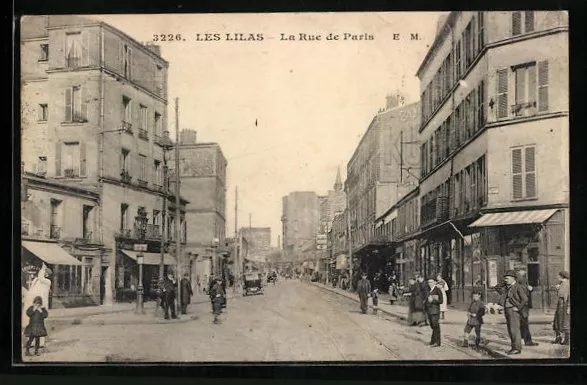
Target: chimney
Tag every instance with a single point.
(187, 137)
(392, 101)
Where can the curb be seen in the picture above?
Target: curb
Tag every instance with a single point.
(491, 352)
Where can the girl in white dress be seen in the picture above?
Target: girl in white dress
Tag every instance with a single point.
(443, 286)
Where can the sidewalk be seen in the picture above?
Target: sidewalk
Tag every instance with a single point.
(494, 329)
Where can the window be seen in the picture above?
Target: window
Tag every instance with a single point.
(43, 112)
(126, 61)
(525, 78)
(158, 173)
(41, 166)
(143, 125)
(522, 22)
(468, 46)
(127, 112)
(158, 129)
(480, 31)
(123, 217)
(75, 50)
(54, 219)
(523, 172)
(44, 52)
(75, 105)
(125, 160)
(502, 93)
(143, 168)
(458, 60)
(71, 159)
(481, 105)
(86, 222)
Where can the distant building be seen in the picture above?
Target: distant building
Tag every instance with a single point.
(203, 183)
(259, 241)
(300, 223)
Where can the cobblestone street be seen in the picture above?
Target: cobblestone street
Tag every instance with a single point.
(292, 321)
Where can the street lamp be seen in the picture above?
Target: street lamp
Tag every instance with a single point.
(140, 289)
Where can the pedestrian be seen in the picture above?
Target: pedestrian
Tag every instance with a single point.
(522, 280)
(514, 301)
(40, 287)
(364, 289)
(422, 294)
(561, 322)
(186, 293)
(443, 286)
(217, 297)
(204, 283)
(35, 330)
(393, 289)
(475, 314)
(169, 294)
(433, 301)
(198, 283)
(411, 301)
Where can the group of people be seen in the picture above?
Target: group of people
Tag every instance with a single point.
(419, 288)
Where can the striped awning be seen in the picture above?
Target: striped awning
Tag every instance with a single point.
(513, 218)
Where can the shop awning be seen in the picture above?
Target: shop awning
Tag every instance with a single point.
(50, 253)
(513, 218)
(150, 258)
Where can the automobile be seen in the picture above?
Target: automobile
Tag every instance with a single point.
(252, 284)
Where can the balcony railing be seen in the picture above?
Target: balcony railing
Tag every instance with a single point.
(142, 183)
(143, 134)
(70, 173)
(124, 233)
(125, 176)
(55, 232)
(127, 126)
(524, 109)
(153, 232)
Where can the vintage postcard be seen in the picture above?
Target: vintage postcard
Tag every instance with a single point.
(294, 187)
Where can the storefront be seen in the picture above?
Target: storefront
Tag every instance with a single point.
(69, 277)
(532, 239)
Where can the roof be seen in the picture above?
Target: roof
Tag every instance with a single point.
(440, 33)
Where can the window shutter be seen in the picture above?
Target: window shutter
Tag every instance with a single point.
(83, 103)
(39, 112)
(82, 159)
(517, 173)
(530, 171)
(67, 116)
(531, 85)
(85, 48)
(57, 51)
(129, 63)
(502, 93)
(516, 23)
(481, 100)
(58, 159)
(529, 21)
(543, 86)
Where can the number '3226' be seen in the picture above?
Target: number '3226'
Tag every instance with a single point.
(167, 37)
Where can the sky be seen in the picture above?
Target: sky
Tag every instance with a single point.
(286, 113)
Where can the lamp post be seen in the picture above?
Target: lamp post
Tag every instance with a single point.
(140, 289)
(214, 266)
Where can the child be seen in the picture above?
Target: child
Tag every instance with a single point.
(475, 313)
(36, 327)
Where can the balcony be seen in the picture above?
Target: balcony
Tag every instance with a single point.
(125, 176)
(524, 109)
(124, 233)
(143, 134)
(127, 127)
(153, 232)
(55, 232)
(70, 173)
(142, 183)
(88, 239)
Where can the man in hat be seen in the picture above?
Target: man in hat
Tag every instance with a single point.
(522, 280)
(432, 304)
(217, 297)
(515, 302)
(169, 294)
(364, 289)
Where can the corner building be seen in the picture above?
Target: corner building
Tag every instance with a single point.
(494, 187)
(94, 114)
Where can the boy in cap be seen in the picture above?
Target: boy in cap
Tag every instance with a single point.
(475, 314)
(217, 297)
(432, 305)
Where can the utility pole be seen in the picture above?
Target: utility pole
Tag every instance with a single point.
(177, 203)
(236, 250)
(349, 241)
(163, 219)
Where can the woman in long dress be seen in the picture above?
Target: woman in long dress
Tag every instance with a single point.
(41, 286)
(561, 323)
(443, 286)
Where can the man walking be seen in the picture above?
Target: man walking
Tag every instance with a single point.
(364, 289)
(433, 302)
(522, 280)
(515, 302)
(423, 293)
(186, 293)
(169, 293)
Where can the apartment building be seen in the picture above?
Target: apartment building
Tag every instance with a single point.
(94, 114)
(203, 183)
(494, 186)
(383, 168)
